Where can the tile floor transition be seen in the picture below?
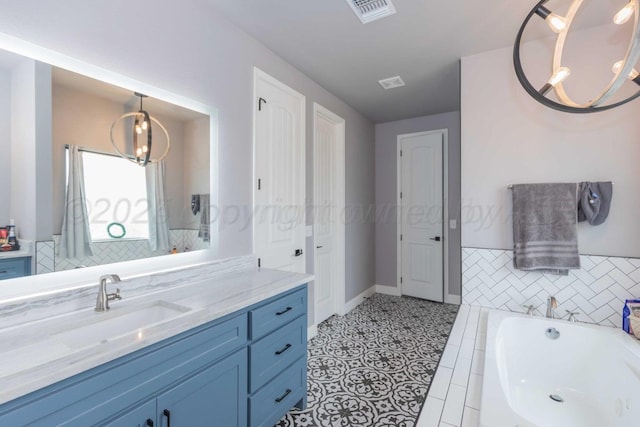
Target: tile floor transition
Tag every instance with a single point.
(456, 390)
(373, 366)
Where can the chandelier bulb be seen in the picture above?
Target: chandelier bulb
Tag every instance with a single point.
(145, 125)
(624, 14)
(618, 66)
(559, 76)
(138, 129)
(139, 152)
(556, 23)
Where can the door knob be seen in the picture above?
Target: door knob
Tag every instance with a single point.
(318, 247)
(437, 238)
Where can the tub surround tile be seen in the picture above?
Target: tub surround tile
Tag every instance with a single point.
(208, 291)
(454, 405)
(597, 290)
(431, 413)
(460, 396)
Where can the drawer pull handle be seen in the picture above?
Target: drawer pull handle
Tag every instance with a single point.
(280, 313)
(149, 422)
(281, 398)
(285, 348)
(167, 414)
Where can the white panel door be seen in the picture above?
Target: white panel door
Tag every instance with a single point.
(279, 211)
(421, 188)
(329, 201)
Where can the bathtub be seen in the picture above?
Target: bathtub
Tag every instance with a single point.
(589, 376)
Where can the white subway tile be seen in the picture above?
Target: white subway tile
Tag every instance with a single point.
(440, 384)
(461, 372)
(449, 356)
(431, 412)
(454, 405)
(470, 417)
(474, 391)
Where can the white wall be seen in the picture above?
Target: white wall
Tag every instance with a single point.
(508, 138)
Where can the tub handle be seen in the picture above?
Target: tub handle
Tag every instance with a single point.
(572, 315)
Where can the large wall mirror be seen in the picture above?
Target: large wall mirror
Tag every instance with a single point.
(73, 181)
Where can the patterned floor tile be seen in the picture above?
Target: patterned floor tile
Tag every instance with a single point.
(373, 366)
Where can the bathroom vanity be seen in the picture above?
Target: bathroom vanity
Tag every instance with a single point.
(212, 345)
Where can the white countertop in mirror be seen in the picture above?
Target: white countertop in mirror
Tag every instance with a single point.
(48, 339)
(26, 249)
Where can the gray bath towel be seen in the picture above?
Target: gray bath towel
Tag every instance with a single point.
(545, 236)
(594, 201)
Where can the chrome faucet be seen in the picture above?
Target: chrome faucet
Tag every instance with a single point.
(552, 304)
(102, 303)
(530, 309)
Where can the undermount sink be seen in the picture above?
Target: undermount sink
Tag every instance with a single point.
(103, 326)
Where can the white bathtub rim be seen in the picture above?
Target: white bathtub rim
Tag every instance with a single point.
(494, 408)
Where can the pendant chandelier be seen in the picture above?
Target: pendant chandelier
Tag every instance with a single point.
(141, 146)
(623, 70)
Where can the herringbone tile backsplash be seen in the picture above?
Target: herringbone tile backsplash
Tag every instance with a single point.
(108, 252)
(597, 291)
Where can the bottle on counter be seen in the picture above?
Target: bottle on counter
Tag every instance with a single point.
(11, 234)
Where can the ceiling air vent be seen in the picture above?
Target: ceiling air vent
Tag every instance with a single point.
(391, 82)
(370, 10)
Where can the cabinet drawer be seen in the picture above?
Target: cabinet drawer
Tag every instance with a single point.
(276, 351)
(274, 400)
(273, 315)
(15, 267)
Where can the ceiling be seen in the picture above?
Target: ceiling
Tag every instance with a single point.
(423, 43)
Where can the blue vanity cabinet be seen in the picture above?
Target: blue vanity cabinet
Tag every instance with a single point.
(214, 397)
(245, 369)
(141, 416)
(10, 268)
(278, 358)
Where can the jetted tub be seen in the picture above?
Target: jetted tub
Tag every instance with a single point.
(588, 376)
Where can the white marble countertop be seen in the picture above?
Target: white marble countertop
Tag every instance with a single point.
(43, 339)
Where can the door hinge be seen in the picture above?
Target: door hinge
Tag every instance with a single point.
(260, 101)
(401, 194)
(259, 262)
(400, 280)
(401, 237)
(400, 153)
(259, 184)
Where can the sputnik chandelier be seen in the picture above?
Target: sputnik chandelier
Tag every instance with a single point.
(141, 146)
(622, 70)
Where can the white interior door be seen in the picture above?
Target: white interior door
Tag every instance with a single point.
(279, 138)
(421, 201)
(329, 200)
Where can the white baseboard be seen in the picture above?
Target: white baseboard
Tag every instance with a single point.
(312, 331)
(388, 290)
(453, 299)
(358, 300)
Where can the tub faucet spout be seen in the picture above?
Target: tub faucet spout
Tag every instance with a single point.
(552, 304)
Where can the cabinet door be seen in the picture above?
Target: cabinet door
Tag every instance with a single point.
(142, 416)
(216, 396)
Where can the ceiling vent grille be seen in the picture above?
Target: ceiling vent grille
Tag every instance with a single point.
(370, 10)
(391, 82)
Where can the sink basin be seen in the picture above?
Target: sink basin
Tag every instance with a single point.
(101, 326)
